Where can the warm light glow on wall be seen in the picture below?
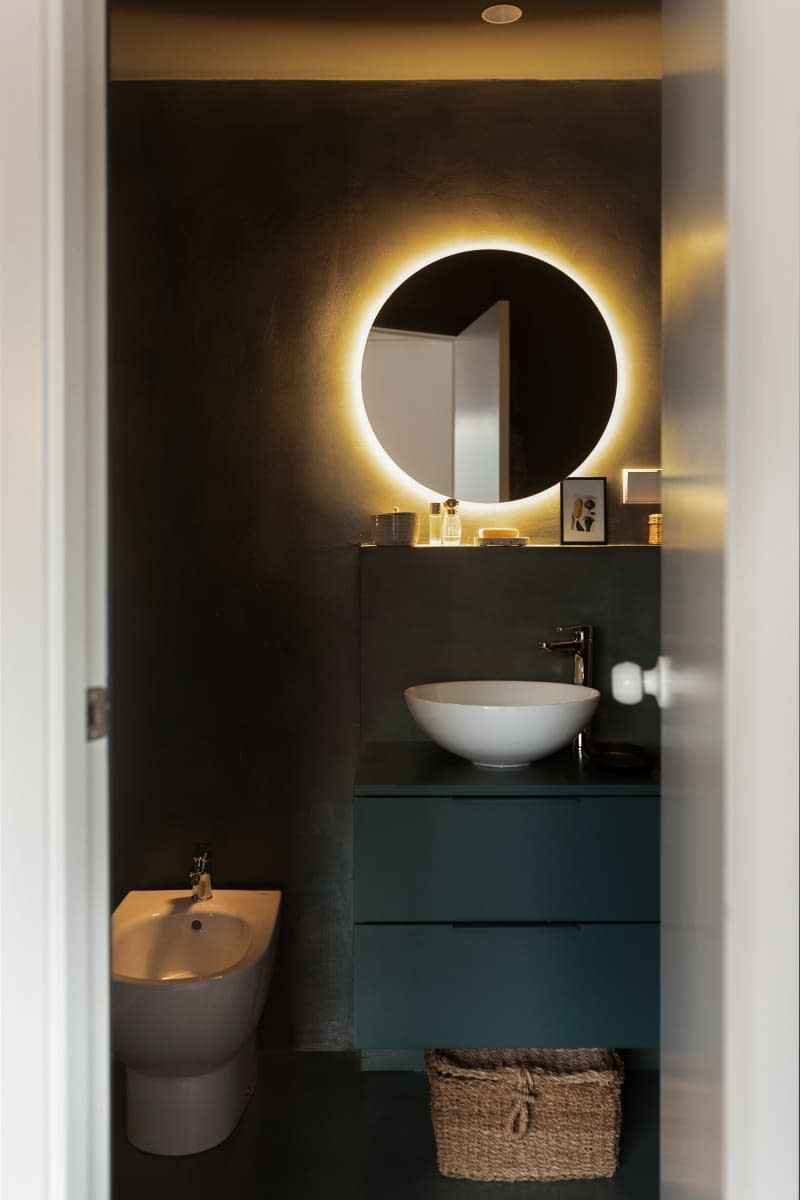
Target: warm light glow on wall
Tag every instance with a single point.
(399, 269)
(151, 41)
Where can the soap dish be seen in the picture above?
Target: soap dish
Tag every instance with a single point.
(620, 756)
(501, 541)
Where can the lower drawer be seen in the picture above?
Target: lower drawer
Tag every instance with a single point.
(471, 986)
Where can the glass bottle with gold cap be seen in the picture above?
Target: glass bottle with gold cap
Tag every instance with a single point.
(451, 524)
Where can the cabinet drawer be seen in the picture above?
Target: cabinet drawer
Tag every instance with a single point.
(440, 985)
(430, 858)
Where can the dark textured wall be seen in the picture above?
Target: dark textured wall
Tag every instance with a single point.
(246, 221)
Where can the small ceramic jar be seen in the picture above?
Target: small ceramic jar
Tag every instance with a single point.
(395, 528)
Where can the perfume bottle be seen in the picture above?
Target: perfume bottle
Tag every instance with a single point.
(435, 523)
(451, 524)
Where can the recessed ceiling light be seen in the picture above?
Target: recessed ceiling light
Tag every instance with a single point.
(501, 14)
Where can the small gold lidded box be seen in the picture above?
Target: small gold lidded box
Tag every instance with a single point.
(654, 529)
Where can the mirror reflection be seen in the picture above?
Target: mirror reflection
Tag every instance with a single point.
(489, 375)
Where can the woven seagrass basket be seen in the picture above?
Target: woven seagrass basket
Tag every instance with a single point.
(526, 1114)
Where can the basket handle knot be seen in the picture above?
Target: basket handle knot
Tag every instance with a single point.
(521, 1117)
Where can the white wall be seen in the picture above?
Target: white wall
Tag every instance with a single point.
(730, 600)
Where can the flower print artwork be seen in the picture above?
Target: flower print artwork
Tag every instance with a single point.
(583, 510)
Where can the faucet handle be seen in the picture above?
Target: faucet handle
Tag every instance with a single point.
(583, 630)
(201, 856)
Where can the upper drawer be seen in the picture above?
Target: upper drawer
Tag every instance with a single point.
(430, 858)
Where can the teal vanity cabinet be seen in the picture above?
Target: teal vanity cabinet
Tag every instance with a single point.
(496, 908)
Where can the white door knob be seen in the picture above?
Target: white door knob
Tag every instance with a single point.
(629, 683)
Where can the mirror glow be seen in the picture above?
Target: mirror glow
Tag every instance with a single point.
(489, 375)
(400, 268)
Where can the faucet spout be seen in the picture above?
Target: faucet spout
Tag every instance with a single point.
(570, 644)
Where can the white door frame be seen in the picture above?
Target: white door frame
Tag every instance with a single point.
(54, 1110)
(54, 1064)
(762, 617)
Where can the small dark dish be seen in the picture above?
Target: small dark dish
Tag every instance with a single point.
(620, 756)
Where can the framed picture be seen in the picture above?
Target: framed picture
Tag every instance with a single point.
(583, 511)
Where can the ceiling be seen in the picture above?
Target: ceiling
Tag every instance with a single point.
(391, 39)
(404, 12)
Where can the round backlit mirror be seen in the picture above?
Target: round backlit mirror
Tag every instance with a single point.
(489, 375)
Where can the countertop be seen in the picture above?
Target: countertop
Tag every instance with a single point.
(423, 769)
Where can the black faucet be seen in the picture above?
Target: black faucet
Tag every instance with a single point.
(581, 645)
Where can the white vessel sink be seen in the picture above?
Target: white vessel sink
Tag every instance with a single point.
(501, 722)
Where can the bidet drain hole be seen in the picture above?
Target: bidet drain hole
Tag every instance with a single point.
(197, 924)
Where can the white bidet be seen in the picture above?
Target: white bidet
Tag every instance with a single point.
(188, 986)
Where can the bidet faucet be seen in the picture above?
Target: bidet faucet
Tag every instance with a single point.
(581, 645)
(200, 874)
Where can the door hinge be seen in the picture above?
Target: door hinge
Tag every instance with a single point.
(98, 709)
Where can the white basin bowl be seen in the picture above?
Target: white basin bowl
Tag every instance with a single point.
(501, 722)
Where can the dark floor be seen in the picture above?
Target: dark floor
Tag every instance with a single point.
(319, 1127)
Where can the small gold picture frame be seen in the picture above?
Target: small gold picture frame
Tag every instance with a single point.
(583, 511)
